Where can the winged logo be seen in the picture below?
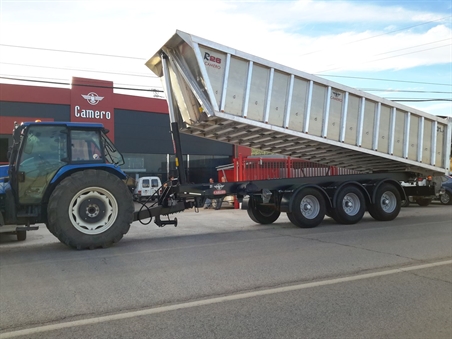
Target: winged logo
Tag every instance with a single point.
(218, 186)
(92, 98)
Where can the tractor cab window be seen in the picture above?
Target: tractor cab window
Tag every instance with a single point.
(43, 152)
(85, 146)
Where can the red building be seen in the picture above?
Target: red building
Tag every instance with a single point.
(139, 126)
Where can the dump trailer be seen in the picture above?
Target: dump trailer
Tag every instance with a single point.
(220, 93)
(68, 175)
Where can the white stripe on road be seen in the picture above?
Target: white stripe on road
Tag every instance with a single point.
(149, 311)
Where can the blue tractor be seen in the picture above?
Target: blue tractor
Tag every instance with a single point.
(66, 176)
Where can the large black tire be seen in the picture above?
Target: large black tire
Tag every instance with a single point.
(446, 198)
(90, 209)
(292, 218)
(262, 214)
(216, 203)
(350, 205)
(387, 203)
(308, 208)
(423, 201)
(405, 203)
(21, 235)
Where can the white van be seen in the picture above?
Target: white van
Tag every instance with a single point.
(146, 187)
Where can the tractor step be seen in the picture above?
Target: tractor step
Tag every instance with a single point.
(27, 215)
(27, 228)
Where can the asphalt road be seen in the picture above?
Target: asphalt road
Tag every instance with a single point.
(219, 275)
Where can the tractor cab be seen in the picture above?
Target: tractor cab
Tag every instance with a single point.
(44, 153)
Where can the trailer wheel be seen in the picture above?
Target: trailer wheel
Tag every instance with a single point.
(446, 198)
(90, 209)
(387, 203)
(423, 201)
(21, 235)
(262, 214)
(308, 208)
(350, 206)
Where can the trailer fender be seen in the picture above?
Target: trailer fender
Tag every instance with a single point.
(248, 188)
(399, 187)
(287, 201)
(351, 183)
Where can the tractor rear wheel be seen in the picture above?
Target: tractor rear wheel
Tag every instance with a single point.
(90, 209)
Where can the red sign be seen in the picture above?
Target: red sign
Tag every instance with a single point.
(92, 101)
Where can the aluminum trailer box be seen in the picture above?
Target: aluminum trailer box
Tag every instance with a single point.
(223, 94)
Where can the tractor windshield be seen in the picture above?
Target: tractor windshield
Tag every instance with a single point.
(112, 155)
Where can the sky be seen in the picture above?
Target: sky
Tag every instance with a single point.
(400, 50)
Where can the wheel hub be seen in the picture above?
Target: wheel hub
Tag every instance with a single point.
(93, 210)
(351, 204)
(388, 202)
(309, 207)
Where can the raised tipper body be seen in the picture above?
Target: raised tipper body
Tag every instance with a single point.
(227, 95)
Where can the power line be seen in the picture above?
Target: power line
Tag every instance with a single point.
(81, 70)
(161, 91)
(417, 100)
(137, 58)
(402, 49)
(75, 52)
(394, 56)
(69, 84)
(381, 34)
(380, 79)
(400, 90)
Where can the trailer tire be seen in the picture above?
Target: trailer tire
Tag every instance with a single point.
(423, 201)
(350, 206)
(387, 203)
(90, 209)
(262, 214)
(292, 218)
(446, 198)
(21, 235)
(308, 208)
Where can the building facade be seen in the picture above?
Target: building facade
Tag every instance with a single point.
(139, 126)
